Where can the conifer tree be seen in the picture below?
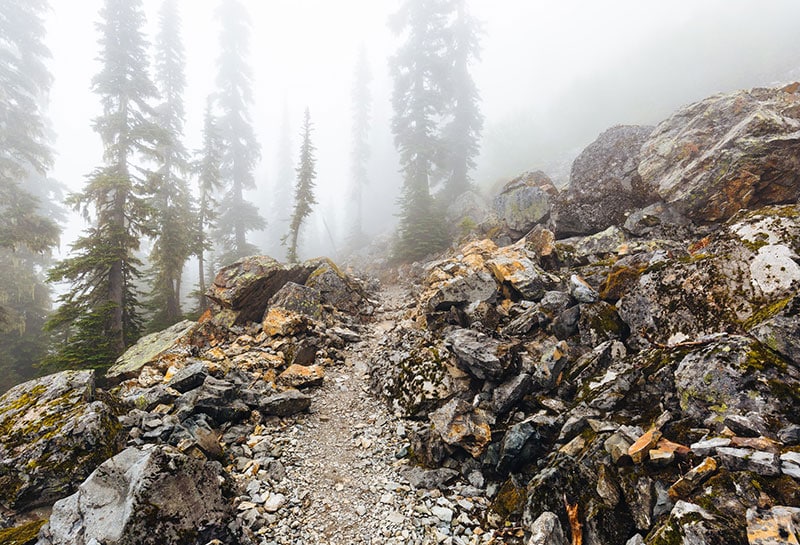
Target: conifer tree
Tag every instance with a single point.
(283, 187)
(170, 199)
(304, 198)
(362, 105)
(100, 314)
(209, 182)
(27, 196)
(420, 71)
(464, 121)
(241, 152)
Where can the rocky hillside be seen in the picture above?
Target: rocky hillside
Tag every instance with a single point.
(617, 363)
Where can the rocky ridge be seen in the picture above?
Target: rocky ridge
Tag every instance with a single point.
(637, 382)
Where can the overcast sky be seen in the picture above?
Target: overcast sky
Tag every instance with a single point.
(552, 74)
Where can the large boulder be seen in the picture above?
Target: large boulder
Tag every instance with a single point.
(161, 349)
(335, 287)
(145, 496)
(246, 286)
(53, 433)
(730, 280)
(727, 152)
(734, 375)
(525, 201)
(605, 185)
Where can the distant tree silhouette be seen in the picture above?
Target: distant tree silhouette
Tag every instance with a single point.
(360, 154)
(304, 198)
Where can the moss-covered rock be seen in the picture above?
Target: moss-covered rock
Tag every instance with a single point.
(53, 433)
(24, 534)
(160, 349)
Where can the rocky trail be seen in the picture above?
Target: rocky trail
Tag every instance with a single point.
(345, 463)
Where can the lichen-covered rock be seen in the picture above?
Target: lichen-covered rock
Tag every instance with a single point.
(525, 201)
(478, 354)
(299, 299)
(518, 271)
(605, 185)
(146, 496)
(160, 349)
(777, 525)
(460, 424)
(781, 331)
(725, 153)
(281, 322)
(727, 282)
(691, 524)
(335, 288)
(731, 374)
(301, 376)
(246, 286)
(53, 433)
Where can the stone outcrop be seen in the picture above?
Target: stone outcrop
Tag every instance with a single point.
(158, 349)
(54, 431)
(605, 185)
(525, 201)
(146, 496)
(725, 153)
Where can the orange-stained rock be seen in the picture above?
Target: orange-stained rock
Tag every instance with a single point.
(676, 448)
(692, 479)
(778, 526)
(301, 376)
(758, 443)
(643, 445)
(282, 322)
(459, 423)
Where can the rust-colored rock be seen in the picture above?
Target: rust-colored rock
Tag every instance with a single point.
(643, 445)
(692, 479)
(301, 376)
(281, 322)
(460, 424)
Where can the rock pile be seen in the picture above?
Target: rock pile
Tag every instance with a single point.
(635, 383)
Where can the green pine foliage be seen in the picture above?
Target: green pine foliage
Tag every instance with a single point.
(304, 199)
(27, 197)
(207, 167)
(172, 211)
(99, 315)
(241, 153)
(463, 120)
(419, 98)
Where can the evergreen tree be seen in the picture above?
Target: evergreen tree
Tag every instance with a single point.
(27, 197)
(241, 152)
(284, 184)
(462, 131)
(209, 181)
(304, 188)
(99, 315)
(420, 71)
(362, 104)
(173, 216)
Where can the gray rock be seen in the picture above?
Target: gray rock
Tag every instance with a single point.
(726, 153)
(477, 353)
(463, 290)
(581, 290)
(658, 217)
(617, 446)
(506, 396)
(781, 331)
(525, 201)
(53, 433)
(742, 459)
(708, 447)
(145, 496)
(599, 322)
(335, 288)
(546, 530)
(300, 299)
(458, 423)
(285, 403)
(520, 445)
(166, 345)
(750, 425)
(429, 478)
(605, 185)
(188, 378)
(635, 540)
(790, 435)
(790, 464)
(246, 286)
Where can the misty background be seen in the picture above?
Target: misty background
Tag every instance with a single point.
(552, 76)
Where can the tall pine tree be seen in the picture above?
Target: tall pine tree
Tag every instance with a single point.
(304, 198)
(420, 72)
(209, 182)
(27, 196)
(360, 154)
(241, 152)
(170, 200)
(464, 121)
(100, 313)
(283, 187)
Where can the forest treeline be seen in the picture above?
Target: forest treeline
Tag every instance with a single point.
(152, 205)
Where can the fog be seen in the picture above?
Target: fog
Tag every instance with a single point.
(551, 76)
